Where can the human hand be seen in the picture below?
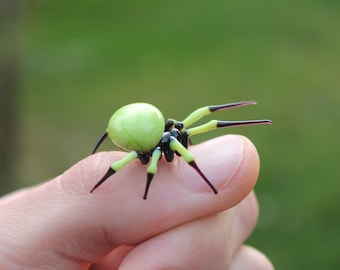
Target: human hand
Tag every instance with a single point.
(182, 224)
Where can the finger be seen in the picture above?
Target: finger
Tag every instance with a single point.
(246, 216)
(61, 217)
(194, 244)
(113, 260)
(207, 243)
(250, 258)
(8, 198)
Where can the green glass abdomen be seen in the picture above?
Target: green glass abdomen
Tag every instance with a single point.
(137, 126)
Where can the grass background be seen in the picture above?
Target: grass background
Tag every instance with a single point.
(80, 61)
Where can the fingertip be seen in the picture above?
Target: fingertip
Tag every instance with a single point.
(218, 159)
(230, 162)
(248, 171)
(250, 258)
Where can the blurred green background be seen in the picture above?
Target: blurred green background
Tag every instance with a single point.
(66, 66)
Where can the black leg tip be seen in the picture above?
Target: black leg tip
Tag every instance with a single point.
(148, 182)
(106, 176)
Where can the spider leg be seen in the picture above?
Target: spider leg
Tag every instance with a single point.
(175, 145)
(152, 169)
(116, 166)
(201, 112)
(215, 124)
(99, 142)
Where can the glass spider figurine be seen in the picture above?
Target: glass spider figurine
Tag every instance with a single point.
(140, 129)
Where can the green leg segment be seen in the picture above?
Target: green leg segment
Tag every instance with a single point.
(215, 124)
(175, 145)
(201, 112)
(152, 169)
(195, 116)
(116, 166)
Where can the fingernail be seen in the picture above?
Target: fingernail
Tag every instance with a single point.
(218, 159)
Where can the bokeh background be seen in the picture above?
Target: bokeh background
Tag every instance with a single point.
(66, 66)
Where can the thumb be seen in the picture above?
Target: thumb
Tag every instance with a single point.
(60, 225)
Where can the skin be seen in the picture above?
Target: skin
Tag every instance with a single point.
(182, 224)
